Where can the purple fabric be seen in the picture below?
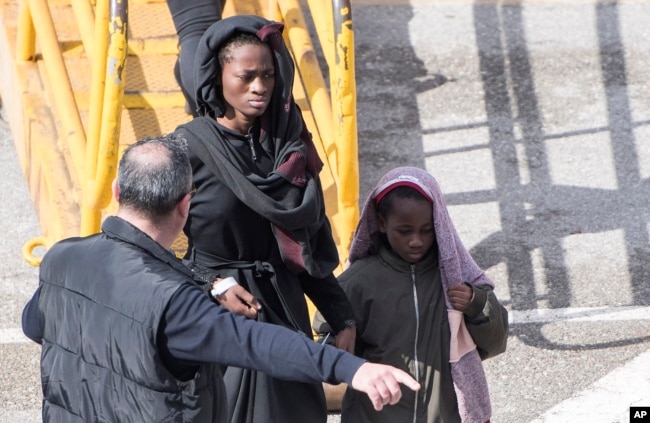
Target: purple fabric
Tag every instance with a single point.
(456, 267)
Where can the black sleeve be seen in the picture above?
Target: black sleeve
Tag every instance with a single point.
(31, 319)
(487, 322)
(330, 299)
(195, 330)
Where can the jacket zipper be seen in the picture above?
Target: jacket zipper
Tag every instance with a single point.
(415, 344)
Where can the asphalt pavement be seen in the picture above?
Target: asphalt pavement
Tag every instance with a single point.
(534, 116)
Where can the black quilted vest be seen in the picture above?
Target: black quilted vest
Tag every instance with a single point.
(101, 315)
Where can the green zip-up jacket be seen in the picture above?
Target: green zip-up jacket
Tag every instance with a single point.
(402, 321)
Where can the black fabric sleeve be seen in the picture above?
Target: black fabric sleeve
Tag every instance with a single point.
(194, 330)
(330, 299)
(31, 320)
(487, 322)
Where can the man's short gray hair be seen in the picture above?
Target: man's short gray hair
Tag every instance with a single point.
(154, 174)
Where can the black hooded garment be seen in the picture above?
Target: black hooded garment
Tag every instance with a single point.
(259, 215)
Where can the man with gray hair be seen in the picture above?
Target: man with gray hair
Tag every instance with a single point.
(126, 334)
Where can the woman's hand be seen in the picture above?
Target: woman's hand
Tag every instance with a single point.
(238, 300)
(346, 338)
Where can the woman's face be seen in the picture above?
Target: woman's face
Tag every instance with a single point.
(247, 81)
(409, 228)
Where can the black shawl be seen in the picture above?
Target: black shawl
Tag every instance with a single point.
(290, 197)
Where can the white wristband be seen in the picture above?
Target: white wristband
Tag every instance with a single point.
(222, 286)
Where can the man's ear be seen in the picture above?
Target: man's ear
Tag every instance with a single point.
(183, 206)
(116, 190)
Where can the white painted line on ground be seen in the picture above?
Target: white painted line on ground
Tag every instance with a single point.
(582, 314)
(13, 336)
(609, 399)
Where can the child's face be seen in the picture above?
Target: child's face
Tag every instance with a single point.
(248, 80)
(409, 228)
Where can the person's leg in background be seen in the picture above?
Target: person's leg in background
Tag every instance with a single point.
(191, 19)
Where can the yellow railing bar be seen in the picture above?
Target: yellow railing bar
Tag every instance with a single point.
(139, 100)
(83, 11)
(272, 8)
(98, 194)
(97, 82)
(335, 115)
(90, 216)
(321, 14)
(343, 86)
(55, 196)
(61, 86)
(312, 77)
(113, 101)
(26, 36)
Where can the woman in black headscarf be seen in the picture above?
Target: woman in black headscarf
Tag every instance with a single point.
(258, 215)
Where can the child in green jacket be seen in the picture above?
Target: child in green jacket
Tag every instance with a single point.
(421, 304)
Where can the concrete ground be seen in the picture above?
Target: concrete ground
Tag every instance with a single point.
(534, 116)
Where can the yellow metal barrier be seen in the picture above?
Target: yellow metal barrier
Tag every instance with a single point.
(344, 110)
(83, 11)
(94, 162)
(63, 95)
(72, 179)
(26, 41)
(102, 156)
(90, 215)
(335, 114)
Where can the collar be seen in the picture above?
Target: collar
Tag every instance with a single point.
(118, 228)
(397, 263)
